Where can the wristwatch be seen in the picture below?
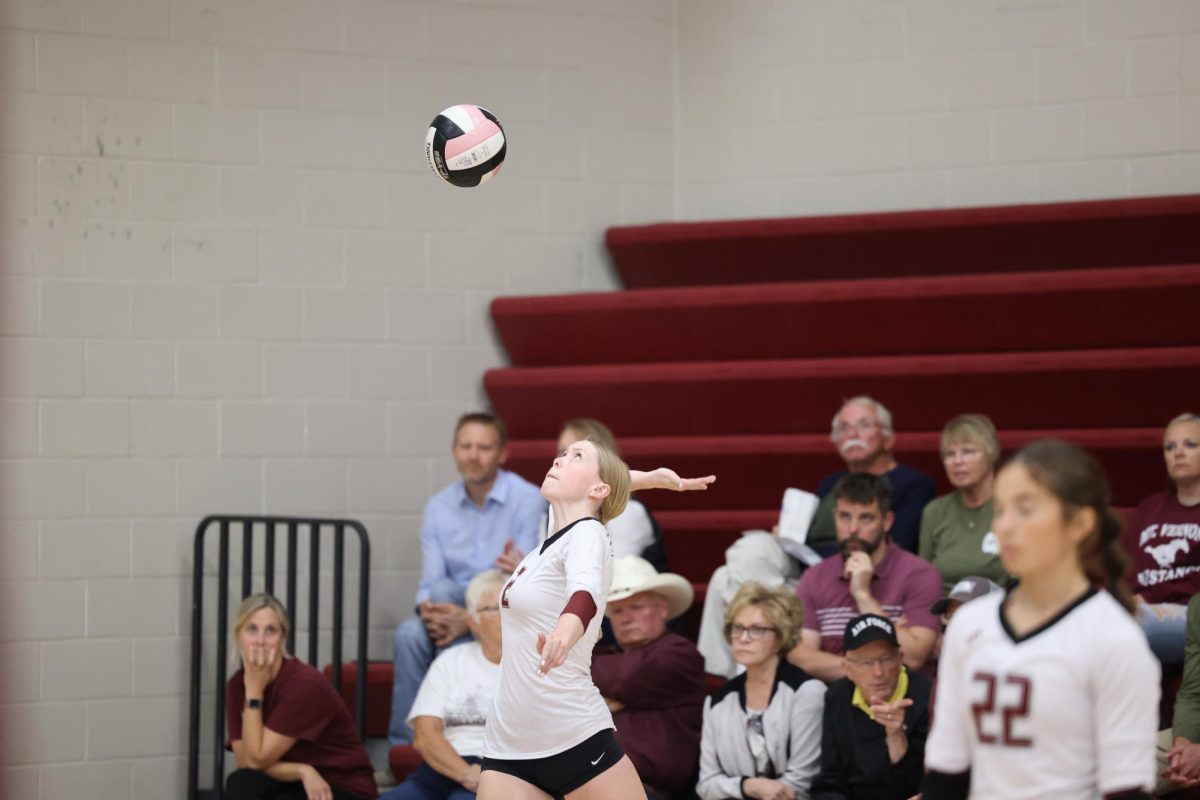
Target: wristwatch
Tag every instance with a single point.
(254, 704)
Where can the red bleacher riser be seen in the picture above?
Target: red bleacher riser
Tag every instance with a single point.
(753, 470)
(1058, 236)
(1032, 311)
(1077, 389)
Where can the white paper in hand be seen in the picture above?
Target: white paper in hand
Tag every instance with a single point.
(795, 515)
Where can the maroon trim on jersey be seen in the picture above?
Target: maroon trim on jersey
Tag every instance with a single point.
(1128, 794)
(1048, 624)
(581, 605)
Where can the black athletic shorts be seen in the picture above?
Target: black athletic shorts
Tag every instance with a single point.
(564, 772)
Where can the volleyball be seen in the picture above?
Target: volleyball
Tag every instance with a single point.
(465, 145)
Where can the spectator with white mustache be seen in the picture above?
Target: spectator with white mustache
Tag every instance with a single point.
(862, 432)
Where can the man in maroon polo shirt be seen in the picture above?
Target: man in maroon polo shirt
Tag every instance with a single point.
(868, 576)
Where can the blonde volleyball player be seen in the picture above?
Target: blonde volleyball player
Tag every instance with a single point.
(550, 733)
(1050, 690)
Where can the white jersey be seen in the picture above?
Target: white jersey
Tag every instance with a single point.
(1068, 711)
(535, 715)
(459, 689)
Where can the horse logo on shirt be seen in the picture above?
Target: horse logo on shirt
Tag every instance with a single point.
(1165, 554)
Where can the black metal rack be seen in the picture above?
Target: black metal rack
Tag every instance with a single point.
(293, 526)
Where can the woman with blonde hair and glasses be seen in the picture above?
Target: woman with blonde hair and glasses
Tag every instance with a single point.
(762, 730)
(290, 732)
(956, 528)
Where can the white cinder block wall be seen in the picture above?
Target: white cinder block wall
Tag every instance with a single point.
(228, 282)
(796, 108)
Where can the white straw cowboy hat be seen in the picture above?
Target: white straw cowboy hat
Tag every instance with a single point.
(632, 575)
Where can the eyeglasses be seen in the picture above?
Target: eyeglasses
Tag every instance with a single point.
(872, 663)
(862, 426)
(755, 632)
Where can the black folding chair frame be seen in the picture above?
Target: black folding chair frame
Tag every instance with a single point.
(293, 526)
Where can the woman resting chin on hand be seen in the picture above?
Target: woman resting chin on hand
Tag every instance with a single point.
(290, 733)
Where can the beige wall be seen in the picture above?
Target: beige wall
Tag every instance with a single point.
(839, 106)
(229, 281)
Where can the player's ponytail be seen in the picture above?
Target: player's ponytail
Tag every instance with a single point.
(1104, 561)
(1076, 478)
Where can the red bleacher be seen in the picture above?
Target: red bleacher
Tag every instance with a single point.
(741, 338)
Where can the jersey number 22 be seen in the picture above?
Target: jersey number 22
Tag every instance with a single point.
(987, 721)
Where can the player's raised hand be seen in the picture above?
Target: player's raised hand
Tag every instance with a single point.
(667, 478)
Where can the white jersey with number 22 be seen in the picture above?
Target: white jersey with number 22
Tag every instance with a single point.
(1068, 711)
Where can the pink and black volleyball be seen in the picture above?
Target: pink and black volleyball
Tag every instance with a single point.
(465, 145)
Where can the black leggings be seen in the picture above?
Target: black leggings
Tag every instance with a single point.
(250, 784)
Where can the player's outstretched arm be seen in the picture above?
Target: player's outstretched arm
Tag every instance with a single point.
(667, 478)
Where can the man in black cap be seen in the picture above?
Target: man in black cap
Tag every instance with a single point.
(876, 720)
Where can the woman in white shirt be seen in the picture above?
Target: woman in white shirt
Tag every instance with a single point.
(550, 733)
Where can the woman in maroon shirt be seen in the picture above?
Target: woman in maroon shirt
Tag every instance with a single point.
(291, 734)
(1163, 543)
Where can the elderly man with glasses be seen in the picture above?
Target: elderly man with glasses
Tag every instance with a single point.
(863, 435)
(876, 720)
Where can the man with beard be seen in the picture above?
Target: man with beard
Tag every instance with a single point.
(869, 576)
(862, 432)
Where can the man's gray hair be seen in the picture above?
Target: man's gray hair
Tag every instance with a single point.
(885, 416)
(480, 584)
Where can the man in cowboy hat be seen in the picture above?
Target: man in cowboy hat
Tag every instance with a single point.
(653, 681)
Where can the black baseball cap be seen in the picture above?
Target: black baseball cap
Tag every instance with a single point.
(869, 628)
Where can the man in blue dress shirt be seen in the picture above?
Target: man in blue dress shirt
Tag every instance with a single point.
(488, 519)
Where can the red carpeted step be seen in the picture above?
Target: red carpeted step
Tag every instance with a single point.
(752, 471)
(1106, 308)
(1069, 389)
(1106, 233)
